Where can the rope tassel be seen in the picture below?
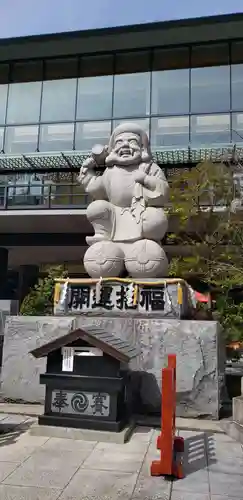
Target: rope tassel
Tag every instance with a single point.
(64, 292)
(98, 290)
(179, 294)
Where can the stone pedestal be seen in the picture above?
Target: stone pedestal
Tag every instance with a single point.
(20, 371)
(197, 344)
(7, 308)
(200, 361)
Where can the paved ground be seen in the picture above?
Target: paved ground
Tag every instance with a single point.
(33, 410)
(39, 468)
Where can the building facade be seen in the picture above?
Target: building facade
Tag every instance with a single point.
(61, 94)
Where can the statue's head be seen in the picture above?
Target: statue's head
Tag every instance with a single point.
(128, 146)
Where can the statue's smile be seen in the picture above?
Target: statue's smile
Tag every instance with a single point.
(125, 152)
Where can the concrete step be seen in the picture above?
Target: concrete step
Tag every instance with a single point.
(233, 429)
(238, 410)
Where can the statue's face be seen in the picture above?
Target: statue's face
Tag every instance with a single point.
(127, 150)
(127, 145)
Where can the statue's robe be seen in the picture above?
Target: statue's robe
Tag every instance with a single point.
(135, 210)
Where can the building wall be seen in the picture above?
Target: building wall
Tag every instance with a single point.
(185, 94)
(180, 95)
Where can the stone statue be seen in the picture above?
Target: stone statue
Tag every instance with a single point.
(127, 215)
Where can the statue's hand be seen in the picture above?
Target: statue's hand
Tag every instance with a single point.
(139, 177)
(87, 167)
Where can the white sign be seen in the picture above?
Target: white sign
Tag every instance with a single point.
(83, 297)
(67, 359)
(87, 351)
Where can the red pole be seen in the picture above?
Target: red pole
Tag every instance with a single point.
(167, 442)
(172, 365)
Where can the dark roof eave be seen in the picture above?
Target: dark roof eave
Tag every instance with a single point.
(189, 22)
(88, 336)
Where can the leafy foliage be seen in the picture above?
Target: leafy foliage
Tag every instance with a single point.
(231, 317)
(210, 235)
(39, 302)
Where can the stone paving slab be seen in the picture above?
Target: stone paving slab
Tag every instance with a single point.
(100, 485)
(30, 473)
(27, 493)
(179, 495)
(42, 468)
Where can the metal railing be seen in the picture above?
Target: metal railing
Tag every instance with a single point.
(41, 196)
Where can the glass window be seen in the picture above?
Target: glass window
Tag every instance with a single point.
(175, 58)
(210, 89)
(58, 137)
(94, 98)
(210, 129)
(63, 191)
(58, 100)
(132, 62)
(28, 189)
(237, 127)
(21, 139)
(68, 191)
(237, 86)
(144, 123)
(66, 67)
(237, 52)
(171, 131)
(90, 133)
(97, 65)
(132, 95)
(24, 103)
(1, 138)
(170, 92)
(4, 73)
(214, 54)
(3, 102)
(27, 71)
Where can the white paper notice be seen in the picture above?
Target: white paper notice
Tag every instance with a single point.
(67, 359)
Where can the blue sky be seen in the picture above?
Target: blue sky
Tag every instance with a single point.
(32, 17)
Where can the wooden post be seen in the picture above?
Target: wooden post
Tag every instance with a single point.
(167, 442)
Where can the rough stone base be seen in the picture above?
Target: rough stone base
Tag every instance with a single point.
(21, 371)
(83, 434)
(197, 344)
(199, 347)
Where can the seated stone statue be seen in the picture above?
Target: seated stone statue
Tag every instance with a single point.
(127, 214)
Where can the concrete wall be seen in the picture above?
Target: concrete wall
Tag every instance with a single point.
(7, 308)
(198, 345)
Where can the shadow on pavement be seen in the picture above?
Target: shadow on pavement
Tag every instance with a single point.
(10, 432)
(199, 452)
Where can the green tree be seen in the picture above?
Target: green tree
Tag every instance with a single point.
(39, 301)
(210, 234)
